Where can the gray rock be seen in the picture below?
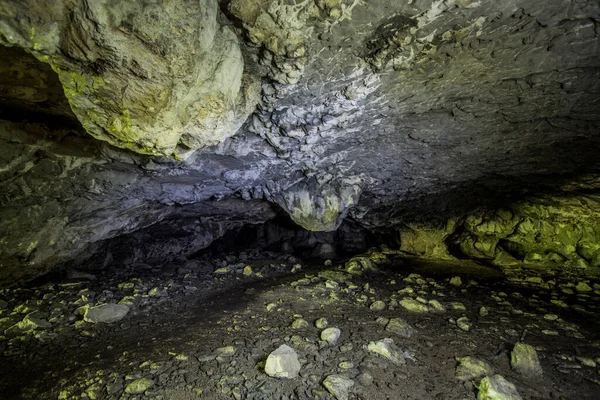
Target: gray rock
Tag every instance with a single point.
(330, 335)
(283, 363)
(387, 349)
(105, 313)
(339, 386)
(497, 388)
(472, 368)
(400, 327)
(524, 359)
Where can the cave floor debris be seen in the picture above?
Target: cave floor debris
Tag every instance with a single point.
(203, 329)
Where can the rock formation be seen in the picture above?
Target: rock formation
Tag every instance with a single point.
(182, 120)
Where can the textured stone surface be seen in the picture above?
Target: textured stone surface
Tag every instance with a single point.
(381, 113)
(141, 75)
(283, 363)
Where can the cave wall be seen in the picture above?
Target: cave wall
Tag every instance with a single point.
(559, 229)
(379, 113)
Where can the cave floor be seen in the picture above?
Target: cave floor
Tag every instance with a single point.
(203, 329)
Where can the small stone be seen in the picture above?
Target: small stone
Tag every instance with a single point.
(436, 306)
(330, 335)
(497, 388)
(365, 379)
(339, 386)
(300, 324)
(458, 306)
(464, 324)
(483, 311)
(383, 321)
(221, 271)
(456, 281)
(378, 306)
(321, 323)
(414, 306)
(346, 365)
(400, 327)
(387, 349)
(106, 313)
(588, 362)
(247, 271)
(139, 386)
(524, 360)
(225, 351)
(551, 317)
(472, 368)
(583, 287)
(283, 363)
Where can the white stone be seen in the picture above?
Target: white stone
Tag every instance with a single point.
(339, 386)
(106, 313)
(283, 363)
(330, 335)
(387, 349)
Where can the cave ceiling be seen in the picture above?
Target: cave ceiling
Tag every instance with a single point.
(117, 116)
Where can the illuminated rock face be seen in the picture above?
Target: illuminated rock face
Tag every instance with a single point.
(386, 114)
(154, 77)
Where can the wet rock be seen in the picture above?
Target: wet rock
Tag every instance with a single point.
(339, 386)
(400, 327)
(497, 388)
(283, 363)
(472, 368)
(330, 335)
(524, 360)
(139, 386)
(105, 313)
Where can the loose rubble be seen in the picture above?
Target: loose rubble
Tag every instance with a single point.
(184, 331)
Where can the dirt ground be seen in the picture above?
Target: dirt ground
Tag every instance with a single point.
(202, 329)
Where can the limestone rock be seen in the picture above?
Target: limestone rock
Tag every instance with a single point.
(495, 387)
(283, 363)
(414, 306)
(472, 368)
(464, 323)
(321, 323)
(339, 386)
(387, 349)
(524, 360)
(330, 335)
(300, 324)
(139, 386)
(377, 306)
(318, 207)
(400, 327)
(105, 313)
(134, 82)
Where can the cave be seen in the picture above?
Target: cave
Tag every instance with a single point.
(299, 199)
